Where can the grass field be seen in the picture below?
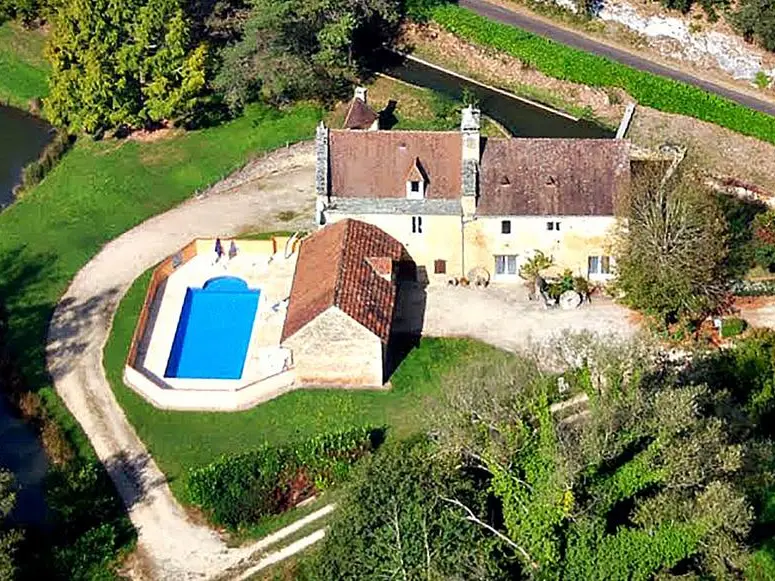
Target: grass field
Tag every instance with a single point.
(178, 440)
(23, 70)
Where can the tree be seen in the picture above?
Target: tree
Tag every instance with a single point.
(8, 539)
(671, 249)
(764, 239)
(122, 63)
(755, 19)
(398, 521)
(643, 476)
(293, 49)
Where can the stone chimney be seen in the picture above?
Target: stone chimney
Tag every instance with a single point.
(360, 93)
(470, 124)
(321, 160)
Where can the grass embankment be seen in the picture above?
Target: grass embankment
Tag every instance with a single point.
(23, 70)
(416, 108)
(179, 440)
(98, 191)
(566, 63)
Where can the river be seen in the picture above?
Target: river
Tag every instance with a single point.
(22, 139)
(520, 117)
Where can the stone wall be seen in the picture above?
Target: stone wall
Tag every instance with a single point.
(333, 349)
(578, 238)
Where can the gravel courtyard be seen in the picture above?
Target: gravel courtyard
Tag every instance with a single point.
(503, 316)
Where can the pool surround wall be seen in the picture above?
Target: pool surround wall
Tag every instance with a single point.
(199, 246)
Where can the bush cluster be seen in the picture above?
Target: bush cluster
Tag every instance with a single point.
(242, 489)
(563, 62)
(34, 172)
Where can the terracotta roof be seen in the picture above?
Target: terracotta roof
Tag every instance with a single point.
(359, 115)
(416, 172)
(374, 164)
(339, 266)
(552, 177)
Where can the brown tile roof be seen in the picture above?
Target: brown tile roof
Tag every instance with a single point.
(359, 115)
(336, 267)
(375, 164)
(552, 177)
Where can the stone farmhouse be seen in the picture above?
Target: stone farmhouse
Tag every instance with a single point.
(459, 201)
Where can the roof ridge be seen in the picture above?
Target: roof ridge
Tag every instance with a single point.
(340, 266)
(401, 131)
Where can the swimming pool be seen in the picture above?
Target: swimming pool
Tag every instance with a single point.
(213, 333)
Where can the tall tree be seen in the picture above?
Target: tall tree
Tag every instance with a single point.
(643, 476)
(304, 48)
(755, 19)
(396, 522)
(122, 63)
(672, 248)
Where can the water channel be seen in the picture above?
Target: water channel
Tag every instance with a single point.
(520, 117)
(22, 138)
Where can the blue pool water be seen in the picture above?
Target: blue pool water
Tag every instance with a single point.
(213, 332)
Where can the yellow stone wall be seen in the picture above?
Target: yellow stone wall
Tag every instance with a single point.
(440, 238)
(578, 238)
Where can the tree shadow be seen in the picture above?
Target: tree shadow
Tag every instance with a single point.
(70, 326)
(130, 474)
(739, 214)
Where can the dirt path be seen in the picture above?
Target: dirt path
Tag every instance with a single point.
(250, 200)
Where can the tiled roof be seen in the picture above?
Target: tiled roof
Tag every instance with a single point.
(375, 164)
(359, 115)
(341, 265)
(552, 177)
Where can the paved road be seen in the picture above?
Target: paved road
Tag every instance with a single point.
(581, 42)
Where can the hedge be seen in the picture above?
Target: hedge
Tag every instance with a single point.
(566, 63)
(242, 489)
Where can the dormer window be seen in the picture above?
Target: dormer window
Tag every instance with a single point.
(416, 181)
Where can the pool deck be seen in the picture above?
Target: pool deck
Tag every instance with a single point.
(268, 367)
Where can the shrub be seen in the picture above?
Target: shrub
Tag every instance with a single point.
(533, 267)
(34, 172)
(241, 489)
(563, 62)
(732, 326)
(764, 239)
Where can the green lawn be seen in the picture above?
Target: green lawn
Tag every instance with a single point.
(178, 440)
(23, 70)
(98, 191)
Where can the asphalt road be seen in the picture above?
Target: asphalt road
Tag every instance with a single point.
(578, 41)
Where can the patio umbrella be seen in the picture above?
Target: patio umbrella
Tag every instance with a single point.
(232, 249)
(218, 247)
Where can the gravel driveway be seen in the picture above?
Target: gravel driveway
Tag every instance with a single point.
(172, 547)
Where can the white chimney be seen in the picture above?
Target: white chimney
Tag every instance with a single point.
(360, 93)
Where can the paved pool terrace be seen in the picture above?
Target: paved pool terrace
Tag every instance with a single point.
(266, 266)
